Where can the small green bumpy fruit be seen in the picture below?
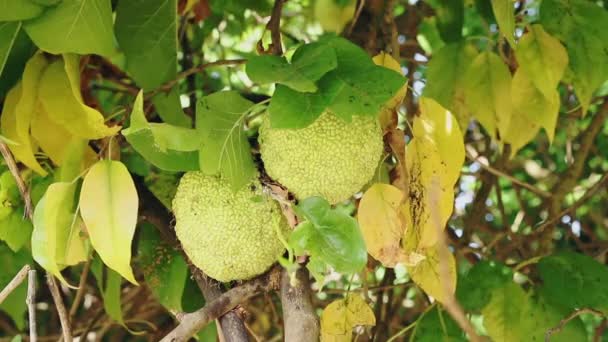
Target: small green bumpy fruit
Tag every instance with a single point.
(230, 235)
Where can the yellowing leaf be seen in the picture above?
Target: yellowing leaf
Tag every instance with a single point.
(341, 316)
(23, 151)
(60, 97)
(438, 124)
(505, 17)
(381, 225)
(435, 153)
(386, 113)
(531, 111)
(55, 239)
(50, 136)
(428, 273)
(387, 61)
(108, 205)
(19, 107)
(487, 93)
(543, 58)
(333, 16)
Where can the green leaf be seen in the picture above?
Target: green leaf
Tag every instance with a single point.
(309, 63)
(505, 18)
(286, 101)
(56, 229)
(450, 17)
(19, 10)
(531, 111)
(445, 78)
(59, 95)
(437, 325)
(329, 235)
(11, 263)
(74, 26)
(110, 289)
(147, 33)
(225, 149)
(476, 286)
(543, 58)
(487, 91)
(582, 26)
(108, 206)
(574, 280)
(15, 229)
(164, 269)
(21, 51)
(514, 315)
(143, 138)
(8, 34)
(169, 108)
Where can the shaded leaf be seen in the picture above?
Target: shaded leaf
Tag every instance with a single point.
(286, 101)
(437, 325)
(8, 34)
(225, 149)
(450, 17)
(74, 26)
(143, 139)
(109, 286)
(169, 108)
(10, 262)
(164, 269)
(476, 286)
(108, 206)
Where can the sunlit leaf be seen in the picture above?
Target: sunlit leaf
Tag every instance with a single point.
(19, 10)
(505, 18)
(543, 58)
(225, 149)
(487, 91)
(108, 206)
(59, 93)
(141, 135)
(341, 316)
(429, 273)
(74, 26)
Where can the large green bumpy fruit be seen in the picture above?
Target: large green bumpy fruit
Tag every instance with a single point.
(230, 235)
(330, 158)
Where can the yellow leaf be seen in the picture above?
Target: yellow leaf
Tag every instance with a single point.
(332, 16)
(487, 92)
(60, 97)
(543, 58)
(531, 111)
(341, 316)
(438, 124)
(428, 274)
(381, 225)
(19, 107)
(108, 206)
(387, 61)
(50, 136)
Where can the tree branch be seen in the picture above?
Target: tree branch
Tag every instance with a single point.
(570, 317)
(191, 323)
(31, 303)
(61, 311)
(274, 26)
(13, 284)
(12, 166)
(300, 320)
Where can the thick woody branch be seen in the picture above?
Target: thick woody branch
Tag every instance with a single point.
(299, 317)
(191, 323)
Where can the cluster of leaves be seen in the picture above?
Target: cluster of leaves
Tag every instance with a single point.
(501, 85)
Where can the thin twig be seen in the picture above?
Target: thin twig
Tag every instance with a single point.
(12, 285)
(170, 84)
(81, 289)
(472, 156)
(12, 166)
(63, 315)
(570, 317)
(31, 303)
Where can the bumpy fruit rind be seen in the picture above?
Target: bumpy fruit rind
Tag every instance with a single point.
(229, 235)
(330, 158)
